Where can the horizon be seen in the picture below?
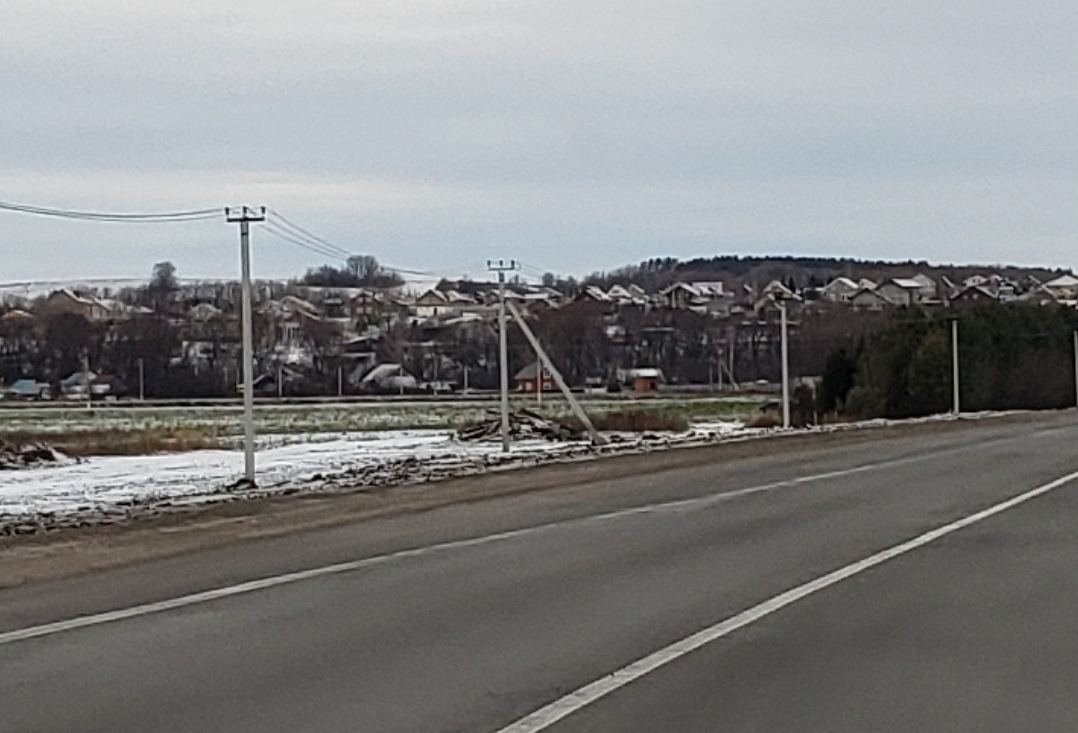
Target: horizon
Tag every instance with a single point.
(412, 278)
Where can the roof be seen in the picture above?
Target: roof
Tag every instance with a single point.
(871, 295)
(529, 372)
(775, 286)
(17, 313)
(709, 287)
(1063, 281)
(596, 293)
(973, 290)
(27, 387)
(74, 296)
(383, 372)
(645, 373)
(843, 282)
(679, 286)
(906, 283)
(78, 378)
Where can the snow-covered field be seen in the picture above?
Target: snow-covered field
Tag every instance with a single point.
(314, 462)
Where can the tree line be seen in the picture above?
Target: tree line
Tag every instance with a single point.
(1011, 356)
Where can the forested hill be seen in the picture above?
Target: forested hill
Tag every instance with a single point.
(733, 270)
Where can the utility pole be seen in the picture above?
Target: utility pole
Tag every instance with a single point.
(244, 215)
(785, 370)
(596, 439)
(141, 380)
(501, 267)
(954, 364)
(86, 382)
(730, 369)
(1076, 366)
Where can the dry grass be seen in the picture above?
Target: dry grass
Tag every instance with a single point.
(763, 420)
(634, 421)
(119, 443)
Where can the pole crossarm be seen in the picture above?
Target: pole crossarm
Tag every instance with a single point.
(238, 214)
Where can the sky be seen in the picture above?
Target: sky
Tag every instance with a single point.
(572, 136)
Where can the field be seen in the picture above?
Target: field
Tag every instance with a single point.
(133, 429)
(124, 459)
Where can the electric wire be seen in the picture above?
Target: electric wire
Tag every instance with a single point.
(273, 229)
(290, 231)
(167, 217)
(313, 239)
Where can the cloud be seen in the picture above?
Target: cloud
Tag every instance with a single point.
(439, 132)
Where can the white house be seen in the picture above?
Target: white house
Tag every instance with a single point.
(839, 290)
(901, 291)
(1064, 287)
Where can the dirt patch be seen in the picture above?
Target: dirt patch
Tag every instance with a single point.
(763, 420)
(641, 421)
(83, 444)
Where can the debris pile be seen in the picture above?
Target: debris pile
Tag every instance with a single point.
(523, 424)
(30, 455)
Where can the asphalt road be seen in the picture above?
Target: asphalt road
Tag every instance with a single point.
(472, 617)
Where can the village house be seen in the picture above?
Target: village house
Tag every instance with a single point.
(1064, 287)
(868, 299)
(528, 379)
(974, 294)
(431, 304)
(66, 301)
(901, 291)
(644, 379)
(839, 290)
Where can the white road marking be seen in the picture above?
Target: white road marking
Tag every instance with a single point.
(563, 707)
(170, 604)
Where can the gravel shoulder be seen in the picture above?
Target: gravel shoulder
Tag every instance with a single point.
(78, 551)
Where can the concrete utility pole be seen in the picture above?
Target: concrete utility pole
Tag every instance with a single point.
(785, 370)
(1076, 367)
(244, 215)
(954, 365)
(501, 267)
(596, 439)
(141, 381)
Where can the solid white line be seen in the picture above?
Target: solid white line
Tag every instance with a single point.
(549, 715)
(193, 599)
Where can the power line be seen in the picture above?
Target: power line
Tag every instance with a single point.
(313, 239)
(167, 217)
(281, 233)
(289, 231)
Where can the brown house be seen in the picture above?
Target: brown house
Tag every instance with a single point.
(528, 380)
(645, 379)
(65, 301)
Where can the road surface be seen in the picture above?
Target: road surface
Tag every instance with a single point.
(511, 614)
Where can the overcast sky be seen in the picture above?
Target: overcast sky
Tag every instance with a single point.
(571, 135)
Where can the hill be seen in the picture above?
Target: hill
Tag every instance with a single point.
(735, 271)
